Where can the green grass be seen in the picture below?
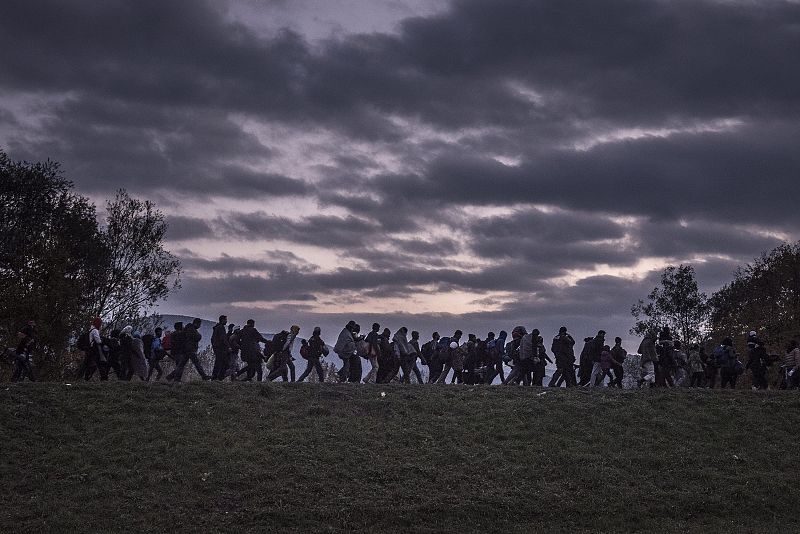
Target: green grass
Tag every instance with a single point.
(115, 457)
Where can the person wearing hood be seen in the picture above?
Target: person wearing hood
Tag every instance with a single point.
(138, 361)
(345, 348)
(563, 348)
(414, 342)
(647, 349)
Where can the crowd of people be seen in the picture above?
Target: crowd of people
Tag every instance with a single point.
(244, 354)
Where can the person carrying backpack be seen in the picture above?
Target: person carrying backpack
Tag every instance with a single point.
(725, 358)
(249, 338)
(191, 344)
(697, 370)
(283, 354)
(316, 350)
(345, 348)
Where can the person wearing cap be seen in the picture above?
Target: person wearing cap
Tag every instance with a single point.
(22, 356)
(222, 349)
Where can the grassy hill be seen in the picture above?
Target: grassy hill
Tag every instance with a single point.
(112, 457)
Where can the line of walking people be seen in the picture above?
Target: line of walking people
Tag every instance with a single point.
(661, 360)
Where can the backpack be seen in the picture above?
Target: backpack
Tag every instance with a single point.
(83, 342)
(305, 351)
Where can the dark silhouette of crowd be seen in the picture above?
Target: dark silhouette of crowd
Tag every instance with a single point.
(660, 361)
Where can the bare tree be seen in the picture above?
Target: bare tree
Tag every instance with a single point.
(139, 271)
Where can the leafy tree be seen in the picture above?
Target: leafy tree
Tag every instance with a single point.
(50, 253)
(139, 271)
(677, 303)
(764, 296)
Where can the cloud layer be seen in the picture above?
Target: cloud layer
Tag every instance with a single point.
(484, 164)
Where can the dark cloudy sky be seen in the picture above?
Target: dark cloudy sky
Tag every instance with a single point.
(429, 163)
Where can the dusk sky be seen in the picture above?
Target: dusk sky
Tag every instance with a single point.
(434, 164)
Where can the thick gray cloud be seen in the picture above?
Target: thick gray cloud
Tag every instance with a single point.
(491, 148)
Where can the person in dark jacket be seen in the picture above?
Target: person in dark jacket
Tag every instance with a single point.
(176, 350)
(249, 338)
(597, 345)
(387, 363)
(618, 355)
(22, 355)
(316, 350)
(221, 346)
(495, 350)
(345, 348)
(522, 355)
(758, 362)
(435, 364)
(726, 359)
(356, 369)
(564, 351)
(540, 361)
(585, 362)
(191, 344)
(417, 352)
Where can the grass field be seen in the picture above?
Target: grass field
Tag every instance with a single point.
(201, 457)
